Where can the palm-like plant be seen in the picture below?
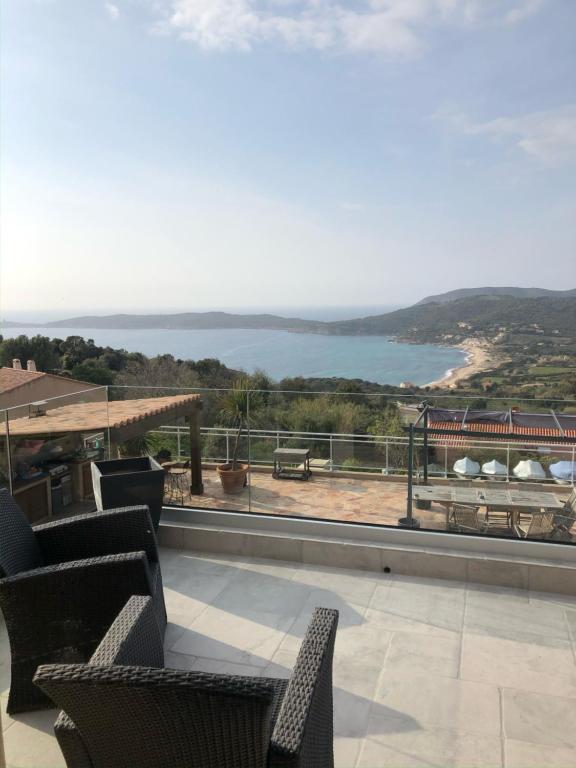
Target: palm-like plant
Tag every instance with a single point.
(237, 405)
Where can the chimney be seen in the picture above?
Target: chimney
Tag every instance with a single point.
(31, 365)
(17, 364)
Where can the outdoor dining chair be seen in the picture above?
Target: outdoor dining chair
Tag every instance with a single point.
(63, 583)
(466, 518)
(539, 526)
(564, 521)
(122, 709)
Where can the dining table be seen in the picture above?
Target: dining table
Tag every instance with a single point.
(515, 501)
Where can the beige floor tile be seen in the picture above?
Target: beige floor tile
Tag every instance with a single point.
(513, 664)
(30, 741)
(417, 748)
(510, 615)
(534, 717)
(430, 610)
(346, 752)
(410, 652)
(356, 678)
(263, 592)
(365, 644)
(244, 637)
(357, 587)
(441, 702)
(522, 754)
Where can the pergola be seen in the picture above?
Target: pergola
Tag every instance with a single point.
(121, 419)
(507, 425)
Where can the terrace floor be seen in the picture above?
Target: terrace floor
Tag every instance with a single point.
(358, 500)
(426, 673)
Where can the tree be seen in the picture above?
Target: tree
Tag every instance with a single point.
(37, 348)
(162, 372)
(94, 372)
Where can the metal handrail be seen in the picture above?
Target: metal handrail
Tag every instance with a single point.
(382, 441)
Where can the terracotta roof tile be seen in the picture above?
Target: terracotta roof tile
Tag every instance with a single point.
(12, 378)
(96, 416)
(500, 429)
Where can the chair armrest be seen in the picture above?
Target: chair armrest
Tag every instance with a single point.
(134, 638)
(98, 533)
(303, 734)
(70, 605)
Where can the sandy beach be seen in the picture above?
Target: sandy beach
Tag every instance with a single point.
(479, 356)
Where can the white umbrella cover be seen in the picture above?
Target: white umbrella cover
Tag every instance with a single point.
(466, 467)
(494, 469)
(529, 470)
(563, 470)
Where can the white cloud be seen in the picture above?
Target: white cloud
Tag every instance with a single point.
(390, 26)
(548, 136)
(112, 10)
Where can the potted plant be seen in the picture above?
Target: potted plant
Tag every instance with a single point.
(235, 407)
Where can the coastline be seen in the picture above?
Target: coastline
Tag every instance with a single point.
(479, 357)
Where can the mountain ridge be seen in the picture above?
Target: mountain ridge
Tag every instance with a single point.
(479, 314)
(526, 293)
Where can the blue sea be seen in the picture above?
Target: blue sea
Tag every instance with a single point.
(280, 353)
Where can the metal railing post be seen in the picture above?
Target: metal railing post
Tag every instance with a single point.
(387, 456)
(227, 447)
(178, 443)
(445, 462)
(508, 461)
(331, 455)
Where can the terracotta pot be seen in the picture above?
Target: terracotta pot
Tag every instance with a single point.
(233, 480)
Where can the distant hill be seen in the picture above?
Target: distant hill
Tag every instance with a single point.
(476, 315)
(524, 293)
(454, 319)
(188, 321)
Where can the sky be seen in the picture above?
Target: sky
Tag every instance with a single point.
(168, 155)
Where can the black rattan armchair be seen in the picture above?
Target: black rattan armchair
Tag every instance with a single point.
(62, 584)
(117, 715)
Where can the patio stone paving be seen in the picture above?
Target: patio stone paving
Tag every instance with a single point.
(323, 496)
(426, 672)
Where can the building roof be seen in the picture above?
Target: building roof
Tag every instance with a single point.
(12, 378)
(510, 424)
(124, 418)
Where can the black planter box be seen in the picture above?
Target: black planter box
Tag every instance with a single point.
(129, 482)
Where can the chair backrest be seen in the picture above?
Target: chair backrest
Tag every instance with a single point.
(19, 550)
(466, 516)
(541, 524)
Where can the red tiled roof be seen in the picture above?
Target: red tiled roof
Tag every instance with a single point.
(12, 378)
(89, 417)
(493, 430)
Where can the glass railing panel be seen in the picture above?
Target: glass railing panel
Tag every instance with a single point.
(49, 447)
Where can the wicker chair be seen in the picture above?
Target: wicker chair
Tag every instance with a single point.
(119, 715)
(63, 583)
